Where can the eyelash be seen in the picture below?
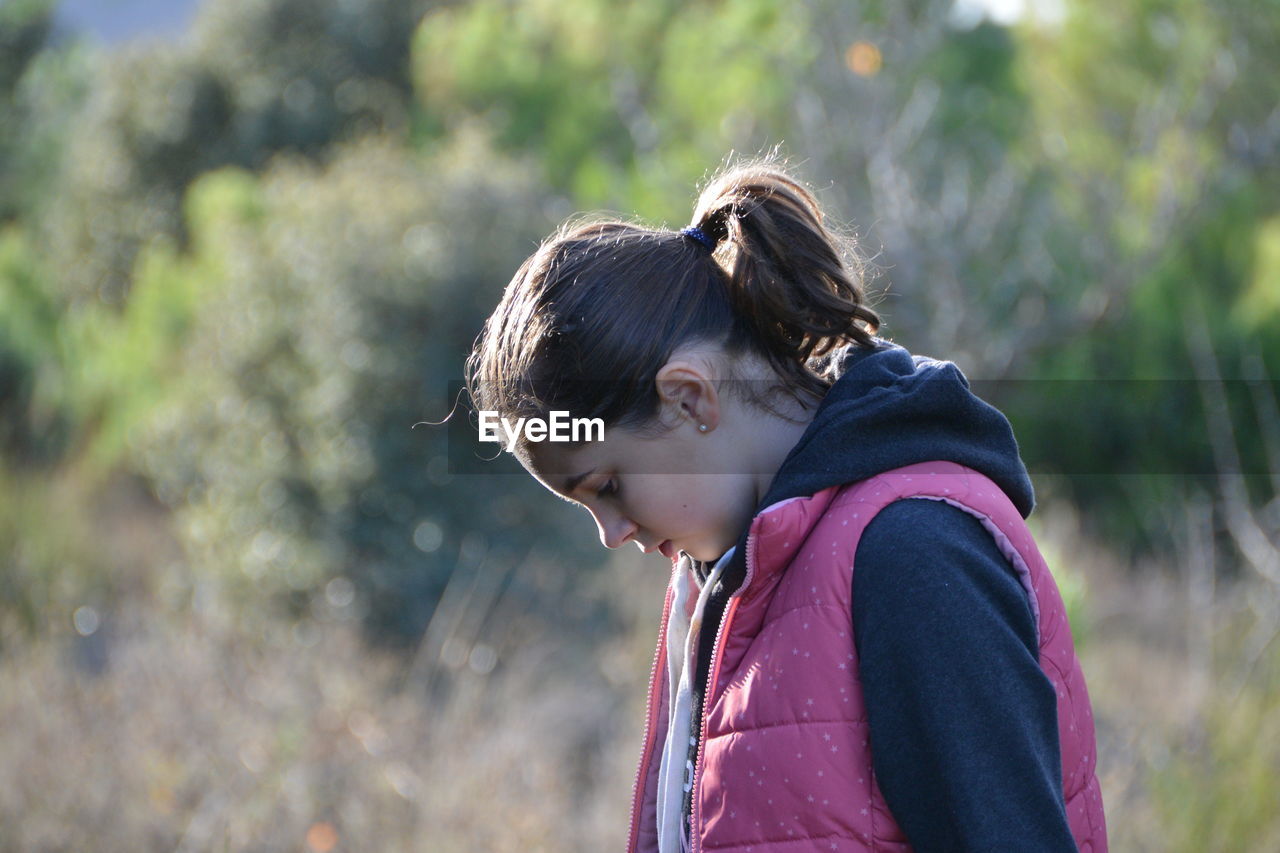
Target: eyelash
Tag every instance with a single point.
(607, 490)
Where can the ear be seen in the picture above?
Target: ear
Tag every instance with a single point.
(686, 392)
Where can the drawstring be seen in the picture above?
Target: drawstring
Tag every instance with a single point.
(682, 637)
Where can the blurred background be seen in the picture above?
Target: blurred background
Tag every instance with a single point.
(248, 603)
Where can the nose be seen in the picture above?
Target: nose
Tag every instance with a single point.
(614, 529)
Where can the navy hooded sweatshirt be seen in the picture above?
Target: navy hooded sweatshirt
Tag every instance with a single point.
(963, 722)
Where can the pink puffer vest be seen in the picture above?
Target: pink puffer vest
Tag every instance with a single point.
(785, 762)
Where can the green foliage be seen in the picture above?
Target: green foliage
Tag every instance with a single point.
(1123, 98)
(119, 364)
(262, 350)
(1056, 203)
(1152, 131)
(331, 310)
(259, 77)
(914, 129)
(157, 119)
(40, 89)
(1071, 585)
(24, 26)
(1258, 308)
(1217, 791)
(84, 371)
(985, 107)
(625, 104)
(299, 75)
(1133, 104)
(32, 420)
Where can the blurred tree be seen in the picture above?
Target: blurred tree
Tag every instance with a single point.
(258, 77)
(334, 307)
(41, 87)
(33, 422)
(626, 104)
(301, 74)
(916, 119)
(1053, 198)
(341, 343)
(24, 29)
(1158, 117)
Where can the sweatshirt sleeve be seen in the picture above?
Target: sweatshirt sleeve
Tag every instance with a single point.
(963, 722)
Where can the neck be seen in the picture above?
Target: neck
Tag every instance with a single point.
(774, 441)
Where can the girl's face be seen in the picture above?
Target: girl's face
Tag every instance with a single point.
(686, 490)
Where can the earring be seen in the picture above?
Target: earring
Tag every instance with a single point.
(702, 427)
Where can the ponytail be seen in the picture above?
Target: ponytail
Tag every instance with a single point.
(798, 287)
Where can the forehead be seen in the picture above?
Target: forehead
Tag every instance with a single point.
(553, 458)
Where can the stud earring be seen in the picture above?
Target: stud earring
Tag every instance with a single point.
(702, 427)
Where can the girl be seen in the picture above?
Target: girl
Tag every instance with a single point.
(861, 648)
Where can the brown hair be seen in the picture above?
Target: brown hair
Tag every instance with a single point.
(592, 316)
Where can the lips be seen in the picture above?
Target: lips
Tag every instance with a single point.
(665, 548)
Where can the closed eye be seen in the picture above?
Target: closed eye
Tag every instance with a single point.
(607, 490)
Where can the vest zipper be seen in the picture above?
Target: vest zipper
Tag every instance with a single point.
(646, 754)
(717, 648)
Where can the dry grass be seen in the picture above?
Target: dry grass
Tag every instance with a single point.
(193, 739)
(177, 732)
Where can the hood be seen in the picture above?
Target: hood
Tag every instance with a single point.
(889, 408)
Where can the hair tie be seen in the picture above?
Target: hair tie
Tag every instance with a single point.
(698, 234)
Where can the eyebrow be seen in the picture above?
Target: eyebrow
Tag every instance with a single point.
(574, 481)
